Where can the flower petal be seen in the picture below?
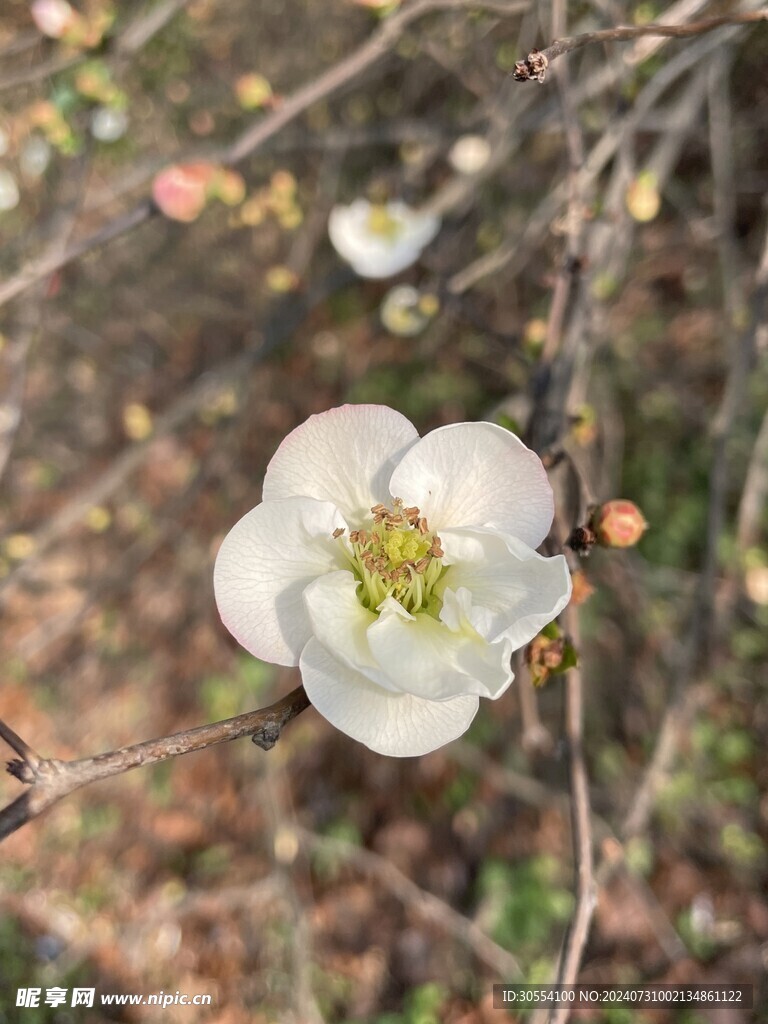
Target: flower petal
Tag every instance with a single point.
(345, 455)
(427, 659)
(419, 228)
(477, 474)
(383, 263)
(397, 724)
(341, 623)
(263, 566)
(521, 590)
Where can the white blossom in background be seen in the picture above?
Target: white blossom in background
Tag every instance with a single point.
(35, 156)
(380, 240)
(469, 154)
(9, 191)
(108, 124)
(398, 572)
(406, 312)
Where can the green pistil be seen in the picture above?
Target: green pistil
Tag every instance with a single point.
(383, 224)
(396, 557)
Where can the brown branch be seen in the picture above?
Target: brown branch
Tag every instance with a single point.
(558, 363)
(30, 759)
(754, 494)
(755, 489)
(685, 703)
(50, 780)
(540, 795)
(36, 72)
(568, 272)
(54, 258)
(581, 817)
(534, 67)
(146, 26)
(536, 737)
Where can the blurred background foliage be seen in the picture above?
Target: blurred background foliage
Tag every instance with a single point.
(146, 386)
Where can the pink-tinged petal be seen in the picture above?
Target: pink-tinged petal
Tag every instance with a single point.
(427, 659)
(520, 590)
(396, 724)
(345, 455)
(477, 474)
(341, 623)
(52, 17)
(265, 563)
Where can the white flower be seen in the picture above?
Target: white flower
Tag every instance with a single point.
(469, 154)
(399, 573)
(108, 124)
(380, 241)
(406, 311)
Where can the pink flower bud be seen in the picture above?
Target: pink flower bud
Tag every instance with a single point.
(619, 524)
(253, 91)
(52, 17)
(181, 191)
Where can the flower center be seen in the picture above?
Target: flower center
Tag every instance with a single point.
(382, 223)
(397, 557)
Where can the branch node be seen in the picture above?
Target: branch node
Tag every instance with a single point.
(267, 736)
(20, 770)
(30, 757)
(532, 69)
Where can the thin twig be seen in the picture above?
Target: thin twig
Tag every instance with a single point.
(754, 494)
(37, 72)
(285, 847)
(534, 67)
(536, 737)
(54, 258)
(685, 703)
(581, 817)
(537, 794)
(739, 351)
(723, 175)
(755, 491)
(26, 753)
(51, 780)
(677, 14)
(145, 27)
(549, 424)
